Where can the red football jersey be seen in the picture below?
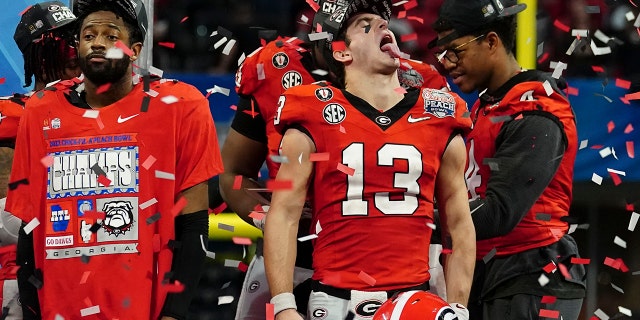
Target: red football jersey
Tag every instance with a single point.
(531, 232)
(270, 70)
(102, 185)
(373, 198)
(11, 109)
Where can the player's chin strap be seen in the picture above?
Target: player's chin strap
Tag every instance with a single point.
(188, 261)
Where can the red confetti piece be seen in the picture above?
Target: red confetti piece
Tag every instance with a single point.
(624, 100)
(103, 180)
(630, 150)
(93, 214)
(269, 311)
(623, 267)
(616, 178)
(632, 96)
(447, 251)
(410, 5)
(346, 170)
(233, 107)
(124, 48)
(409, 37)
(624, 84)
(564, 271)
(400, 90)
(610, 126)
(169, 45)
(178, 206)
(628, 128)
(597, 146)
(100, 123)
(87, 301)
(554, 314)
(175, 287)
(241, 241)
(321, 156)
(629, 207)
(252, 113)
(415, 18)
(548, 299)
(597, 68)
(572, 91)
(237, 182)
(313, 5)
(612, 263)
(558, 24)
(342, 129)
(156, 244)
(256, 215)
(549, 267)
(148, 162)
(338, 46)
(219, 208)
(366, 278)
(47, 161)
(279, 184)
(85, 276)
(3, 80)
(402, 14)
(103, 88)
(575, 260)
(519, 117)
(543, 58)
(243, 267)
(184, 19)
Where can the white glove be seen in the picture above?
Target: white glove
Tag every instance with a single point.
(461, 311)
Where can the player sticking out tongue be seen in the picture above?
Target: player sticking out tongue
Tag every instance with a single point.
(389, 46)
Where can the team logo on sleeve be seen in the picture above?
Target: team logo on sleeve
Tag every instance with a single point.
(291, 79)
(118, 217)
(334, 113)
(324, 94)
(280, 60)
(438, 103)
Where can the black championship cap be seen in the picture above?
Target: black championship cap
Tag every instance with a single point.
(467, 16)
(132, 11)
(39, 19)
(335, 22)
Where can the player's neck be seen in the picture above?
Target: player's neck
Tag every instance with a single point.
(116, 91)
(503, 72)
(379, 90)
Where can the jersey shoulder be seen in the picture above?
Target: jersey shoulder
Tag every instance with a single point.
(178, 89)
(417, 74)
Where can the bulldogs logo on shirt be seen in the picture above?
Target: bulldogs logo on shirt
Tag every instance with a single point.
(280, 60)
(438, 103)
(118, 217)
(324, 94)
(410, 78)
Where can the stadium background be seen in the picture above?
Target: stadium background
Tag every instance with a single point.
(605, 121)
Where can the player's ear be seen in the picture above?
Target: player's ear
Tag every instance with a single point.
(136, 48)
(342, 56)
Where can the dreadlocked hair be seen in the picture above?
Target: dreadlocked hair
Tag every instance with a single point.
(45, 58)
(122, 8)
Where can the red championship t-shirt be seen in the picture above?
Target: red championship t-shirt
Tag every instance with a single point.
(103, 185)
(373, 198)
(11, 109)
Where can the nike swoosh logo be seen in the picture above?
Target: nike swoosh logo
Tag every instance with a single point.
(414, 120)
(121, 119)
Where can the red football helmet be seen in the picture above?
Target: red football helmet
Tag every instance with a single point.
(415, 305)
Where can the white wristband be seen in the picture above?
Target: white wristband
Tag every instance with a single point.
(283, 301)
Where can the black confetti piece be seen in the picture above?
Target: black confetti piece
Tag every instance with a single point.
(40, 94)
(492, 163)
(153, 218)
(85, 259)
(97, 170)
(145, 104)
(467, 114)
(35, 281)
(268, 35)
(592, 9)
(543, 216)
(167, 277)
(224, 32)
(146, 81)
(173, 244)
(489, 256)
(14, 185)
(350, 316)
(95, 227)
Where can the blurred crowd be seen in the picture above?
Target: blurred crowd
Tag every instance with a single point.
(189, 24)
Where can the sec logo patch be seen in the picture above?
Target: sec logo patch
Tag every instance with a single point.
(291, 79)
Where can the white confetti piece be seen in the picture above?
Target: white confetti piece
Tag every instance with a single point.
(559, 68)
(540, 50)
(622, 173)
(543, 280)
(217, 89)
(318, 227)
(601, 36)
(636, 24)
(617, 288)
(399, 3)
(58, 317)
(260, 70)
(241, 59)
(228, 47)
(92, 114)
(165, 175)
(605, 152)
(278, 159)
(625, 311)
(231, 263)
(220, 42)
(599, 51)
(630, 16)
(307, 238)
(572, 47)
(320, 72)
(114, 53)
(31, 225)
(584, 144)
(547, 87)
(169, 99)
(148, 203)
(149, 162)
(580, 33)
(225, 300)
(596, 179)
(156, 71)
(319, 36)
(600, 314)
(226, 227)
(633, 221)
(431, 225)
(226, 285)
(572, 228)
(617, 240)
(90, 311)
(304, 19)
(152, 93)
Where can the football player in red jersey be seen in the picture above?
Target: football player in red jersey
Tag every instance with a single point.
(117, 208)
(371, 157)
(520, 165)
(45, 38)
(263, 76)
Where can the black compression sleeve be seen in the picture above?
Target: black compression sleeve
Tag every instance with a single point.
(249, 122)
(528, 154)
(27, 279)
(188, 261)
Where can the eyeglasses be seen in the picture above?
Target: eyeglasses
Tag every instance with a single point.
(452, 54)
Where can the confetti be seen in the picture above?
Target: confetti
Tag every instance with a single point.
(178, 206)
(415, 18)
(630, 16)
(400, 90)
(184, 19)
(624, 311)
(84, 277)
(165, 175)
(558, 24)
(554, 314)
(367, 278)
(145, 104)
(599, 51)
(279, 184)
(226, 227)
(346, 170)
(320, 156)
(318, 227)
(241, 241)
(124, 48)
(543, 280)
(338, 46)
(575, 260)
(278, 158)
(31, 225)
(630, 149)
(596, 179)
(90, 311)
(175, 287)
(605, 152)
(558, 69)
(103, 88)
(154, 218)
(307, 238)
(548, 299)
(231, 263)
(320, 72)
(103, 180)
(3, 80)
(228, 47)
(320, 36)
(572, 91)
(225, 300)
(148, 203)
(152, 93)
(617, 240)
(624, 84)
(169, 45)
(547, 87)
(313, 5)
(268, 306)
(114, 53)
(489, 255)
(47, 161)
(633, 221)
(617, 288)
(600, 314)
(148, 162)
(409, 37)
